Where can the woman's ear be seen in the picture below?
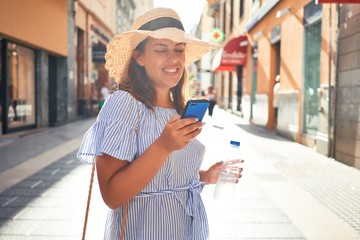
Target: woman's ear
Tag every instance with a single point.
(138, 58)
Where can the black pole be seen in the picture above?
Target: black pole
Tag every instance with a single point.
(239, 74)
(4, 86)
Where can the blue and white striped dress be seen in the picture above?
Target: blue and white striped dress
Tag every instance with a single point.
(170, 206)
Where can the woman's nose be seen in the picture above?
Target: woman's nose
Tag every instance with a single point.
(172, 59)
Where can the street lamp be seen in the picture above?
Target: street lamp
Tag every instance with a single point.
(282, 12)
(258, 34)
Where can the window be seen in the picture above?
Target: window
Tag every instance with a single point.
(20, 86)
(312, 24)
(224, 17)
(241, 10)
(312, 77)
(255, 6)
(231, 15)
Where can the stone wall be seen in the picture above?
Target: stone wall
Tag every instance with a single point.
(288, 112)
(347, 118)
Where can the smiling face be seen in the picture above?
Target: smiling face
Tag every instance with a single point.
(164, 62)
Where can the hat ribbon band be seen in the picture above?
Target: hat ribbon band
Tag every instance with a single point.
(162, 22)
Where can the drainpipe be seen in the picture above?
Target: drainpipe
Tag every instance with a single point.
(336, 63)
(329, 84)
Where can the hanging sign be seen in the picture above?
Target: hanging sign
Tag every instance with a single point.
(217, 35)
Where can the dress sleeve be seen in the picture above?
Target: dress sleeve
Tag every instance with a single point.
(114, 132)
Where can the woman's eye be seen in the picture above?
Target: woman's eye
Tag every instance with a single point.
(161, 51)
(179, 50)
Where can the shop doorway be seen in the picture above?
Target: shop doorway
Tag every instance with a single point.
(2, 95)
(239, 89)
(230, 92)
(52, 90)
(312, 76)
(276, 84)
(81, 72)
(253, 81)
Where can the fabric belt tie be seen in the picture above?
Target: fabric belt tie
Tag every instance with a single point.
(192, 186)
(194, 189)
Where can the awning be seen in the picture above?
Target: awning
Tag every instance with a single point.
(337, 1)
(231, 55)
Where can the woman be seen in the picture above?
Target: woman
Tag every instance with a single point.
(211, 96)
(147, 158)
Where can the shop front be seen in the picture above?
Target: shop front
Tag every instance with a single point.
(17, 86)
(227, 62)
(92, 37)
(26, 54)
(99, 75)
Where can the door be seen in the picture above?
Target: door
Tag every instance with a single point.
(52, 90)
(312, 77)
(253, 84)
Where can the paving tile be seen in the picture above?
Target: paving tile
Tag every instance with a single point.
(268, 230)
(18, 227)
(23, 192)
(67, 228)
(45, 214)
(10, 212)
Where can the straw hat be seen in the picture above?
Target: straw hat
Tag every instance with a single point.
(119, 50)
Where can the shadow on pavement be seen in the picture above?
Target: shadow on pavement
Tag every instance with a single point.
(261, 132)
(23, 194)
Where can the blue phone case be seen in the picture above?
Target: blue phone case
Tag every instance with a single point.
(196, 109)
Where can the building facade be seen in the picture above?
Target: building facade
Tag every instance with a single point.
(52, 64)
(125, 13)
(346, 146)
(202, 69)
(95, 25)
(293, 39)
(33, 63)
(97, 21)
(312, 47)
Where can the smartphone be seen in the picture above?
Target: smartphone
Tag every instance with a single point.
(196, 109)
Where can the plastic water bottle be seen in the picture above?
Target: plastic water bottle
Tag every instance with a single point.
(225, 185)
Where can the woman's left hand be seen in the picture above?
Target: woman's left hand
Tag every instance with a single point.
(211, 175)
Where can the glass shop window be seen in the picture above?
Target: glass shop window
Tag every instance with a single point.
(1, 89)
(21, 86)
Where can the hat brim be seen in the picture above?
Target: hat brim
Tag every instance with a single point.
(119, 50)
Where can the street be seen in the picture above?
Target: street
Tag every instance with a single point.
(288, 191)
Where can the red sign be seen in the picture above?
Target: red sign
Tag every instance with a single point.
(337, 1)
(233, 54)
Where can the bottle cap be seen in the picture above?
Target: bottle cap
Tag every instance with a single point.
(235, 143)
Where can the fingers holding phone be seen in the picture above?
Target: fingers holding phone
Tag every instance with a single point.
(193, 129)
(178, 132)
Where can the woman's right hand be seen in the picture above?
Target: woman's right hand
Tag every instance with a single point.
(178, 132)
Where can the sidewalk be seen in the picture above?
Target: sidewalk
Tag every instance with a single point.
(288, 191)
(25, 153)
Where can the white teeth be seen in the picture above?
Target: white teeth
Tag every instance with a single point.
(172, 70)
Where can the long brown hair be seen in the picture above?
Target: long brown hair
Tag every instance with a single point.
(141, 87)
